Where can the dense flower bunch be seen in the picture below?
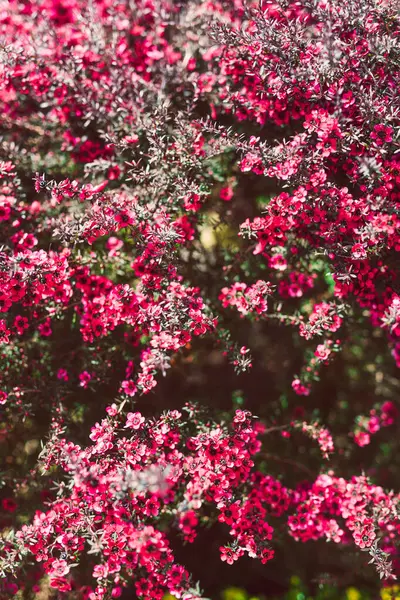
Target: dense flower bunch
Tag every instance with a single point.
(184, 185)
(143, 473)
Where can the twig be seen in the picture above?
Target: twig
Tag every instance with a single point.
(288, 461)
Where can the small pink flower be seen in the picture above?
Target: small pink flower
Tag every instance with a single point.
(358, 252)
(21, 323)
(192, 202)
(249, 162)
(124, 218)
(373, 424)
(322, 352)
(364, 537)
(9, 505)
(300, 388)
(278, 262)
(84, 378)
(62, 374)
(226, 194)
(100, 571)
(134, 420)
(112, 410)
(361, 438)
(129, 387)
(113, 244)
(382, 134)
(61, 584)
(228, 555)
(240, 416)
(131, 139)
(45, 328)
(59, 568)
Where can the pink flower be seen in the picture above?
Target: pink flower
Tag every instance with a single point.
(278, 262)
(129, 387)
(327, 146)
(373, 424)
(112, 410)
(45, 328)
(9, 505)
(192, 202)
(249, 162)
(241, 416)
(4, 332)
(134, 420)
(113, 244)
(124, 218)
(361, 438)
(365, 536)
(322, 352)
(300, 388)
(382, 134)
(62, 374)
(59, 568)
(21, 323)
(226, 193)
(229, 555)
(131, 139)
(100, 571)
(85, 378)
(389, 413)
(60, 583)
(358, 252)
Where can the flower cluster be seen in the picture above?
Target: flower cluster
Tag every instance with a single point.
(160, 164)
(247, 299)
(381, 416)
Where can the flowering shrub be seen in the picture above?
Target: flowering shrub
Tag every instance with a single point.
(199, 291)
